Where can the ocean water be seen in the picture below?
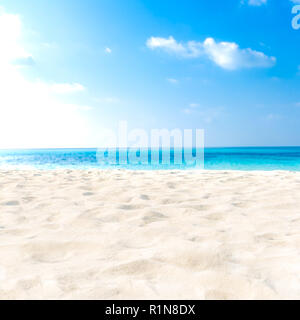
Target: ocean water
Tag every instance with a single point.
(247, 158)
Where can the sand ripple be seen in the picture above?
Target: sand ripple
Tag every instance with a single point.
(118, 234)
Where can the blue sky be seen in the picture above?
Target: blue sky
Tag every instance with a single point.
(71, 68)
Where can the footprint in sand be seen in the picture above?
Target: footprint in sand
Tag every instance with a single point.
(28, 199)
(27, 284)
(153, 217)
(137, 267)
(171, 185)
(88, 194)
(11, 203)
(48, 252)
(144, 197)
(130, 207)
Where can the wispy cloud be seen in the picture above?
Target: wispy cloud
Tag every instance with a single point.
(256, 3)
(273, 116)
(206, 114)
(62, 88)
(110, 100)
(49, 45)
(191, 108)
(172, 80)
(191, 49)
(227, 55)
(108, 50)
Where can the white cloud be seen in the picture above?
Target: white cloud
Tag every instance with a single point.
(10, 33)
(31, 114)
(191, 108)
(227, 55)
(110, 100)
(108, 50)
(23, 62)
(187, 111)
(256, 3)
(172, 80)
(168, 44)
(273, 116)
(61, 88)
(208, 115)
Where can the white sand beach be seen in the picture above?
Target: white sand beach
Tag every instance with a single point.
(74, 234)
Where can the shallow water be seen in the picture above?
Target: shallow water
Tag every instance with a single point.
(246, 158)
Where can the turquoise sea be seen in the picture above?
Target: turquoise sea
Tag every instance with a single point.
(246, 158)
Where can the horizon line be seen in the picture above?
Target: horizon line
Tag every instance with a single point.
(95, 148)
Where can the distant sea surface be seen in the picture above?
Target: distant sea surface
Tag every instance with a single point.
(250, 158)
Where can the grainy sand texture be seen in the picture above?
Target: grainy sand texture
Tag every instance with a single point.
(73, 234)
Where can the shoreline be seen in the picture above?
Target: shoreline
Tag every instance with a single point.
(144, 171)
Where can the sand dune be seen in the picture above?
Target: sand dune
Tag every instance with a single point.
(74, 234)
